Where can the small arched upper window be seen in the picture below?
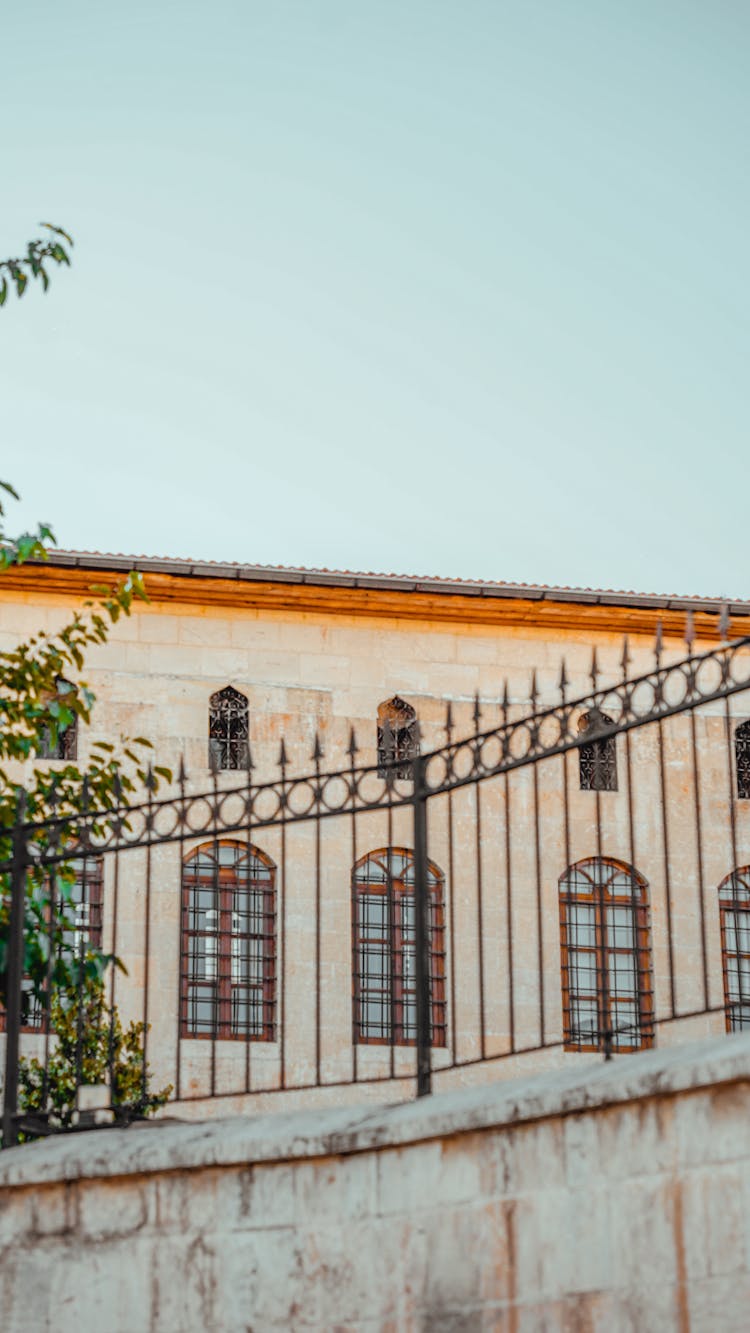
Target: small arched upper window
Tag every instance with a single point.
(742, 757)
(65, 744)
(398, 738)
(227, 729)
(598, 759)
(734, 911)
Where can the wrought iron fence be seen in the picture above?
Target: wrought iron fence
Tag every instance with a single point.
(572, 879)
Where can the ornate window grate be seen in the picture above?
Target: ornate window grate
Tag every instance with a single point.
(228, 730)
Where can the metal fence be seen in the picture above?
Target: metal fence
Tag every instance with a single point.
(561, 880)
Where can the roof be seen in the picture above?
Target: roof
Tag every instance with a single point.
(98, 561)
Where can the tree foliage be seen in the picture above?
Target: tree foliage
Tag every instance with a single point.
(39, 253)
(42, 693)
(91, 1047)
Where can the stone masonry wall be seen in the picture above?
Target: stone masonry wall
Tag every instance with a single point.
(615, 1197)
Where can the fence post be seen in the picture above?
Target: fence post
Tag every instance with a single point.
(14, 973)
(422, 933)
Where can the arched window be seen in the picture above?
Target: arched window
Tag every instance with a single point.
(385, 1004)
(228, 954)
(742, 757)
(398, 738)
(597, 760)
(66, 742)
(606, 957)
(78, 891)
(734, 911)
(227, 729)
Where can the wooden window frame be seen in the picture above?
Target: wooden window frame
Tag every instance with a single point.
(91, 880)
(224, 881)
(600, 898)
(395, 888)
(734, 898)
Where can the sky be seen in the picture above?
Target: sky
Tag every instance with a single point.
(450, 287)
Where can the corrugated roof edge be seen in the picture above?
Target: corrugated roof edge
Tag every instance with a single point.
(444, 587)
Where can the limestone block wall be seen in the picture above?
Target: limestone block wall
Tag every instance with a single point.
(611, 1198)
(304, 671)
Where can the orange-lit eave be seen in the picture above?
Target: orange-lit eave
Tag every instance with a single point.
(556, 610)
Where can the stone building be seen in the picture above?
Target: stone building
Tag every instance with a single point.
(275, 958)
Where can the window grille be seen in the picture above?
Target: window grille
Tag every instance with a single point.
(598, 759)
(385, 1001)
(66, 743)
(398, 738)
(606, 957)
(81, 910)
(228, 730)
(734, 912)
(742, 757)
(228, 955)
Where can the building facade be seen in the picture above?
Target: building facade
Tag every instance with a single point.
(598, 898)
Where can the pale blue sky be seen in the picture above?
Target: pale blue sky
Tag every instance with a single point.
(433, 286)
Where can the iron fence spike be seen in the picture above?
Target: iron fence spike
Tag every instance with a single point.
(690, 630)
(659, 641)
(352, 747)
(477, 711)
(625, 658)
(181, 773)
(724, 622)
(283, 761)
(317, 753)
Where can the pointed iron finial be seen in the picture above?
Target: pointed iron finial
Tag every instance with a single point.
(594, 672)
(352, 747)
(563, 682)
(182, 772)
(625, 658)
(690, 632)
(448, 722)
(477, 711)
(117, 785)
(658, 642)
(283, 761)
(724, 622)
(317, 753)
(533, 691)
(504, 702)
(150, 780)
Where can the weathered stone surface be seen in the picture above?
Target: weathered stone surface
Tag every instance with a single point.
(616, 1200)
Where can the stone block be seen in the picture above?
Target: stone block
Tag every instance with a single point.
(110, 1208)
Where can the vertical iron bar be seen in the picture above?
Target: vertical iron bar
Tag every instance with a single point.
(249, 994)
(356, 1015)
(282, 919)
(480, 882)
(539, 911)
(14, 974)
(147, 937)
(318, 803)
(667, 876)
(182, 924)
(391, 949)
(699, 858)
(508, 875)
(422, 931)
(451, 896)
